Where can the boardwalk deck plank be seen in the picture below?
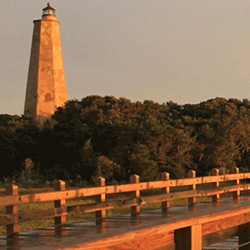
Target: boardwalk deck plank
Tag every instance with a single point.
(86, 233)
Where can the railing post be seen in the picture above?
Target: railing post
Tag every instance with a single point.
(165, 205)
(100, 215)
(236, 194)
(12, 229)
(59, 186)
(191, 200)
(135, 210)
(188, 238)
(215, 198)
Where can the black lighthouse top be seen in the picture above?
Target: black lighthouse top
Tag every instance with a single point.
(49, 10)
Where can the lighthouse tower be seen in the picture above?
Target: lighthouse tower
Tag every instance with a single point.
(46, 88)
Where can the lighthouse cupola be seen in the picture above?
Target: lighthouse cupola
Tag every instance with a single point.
(49, 12)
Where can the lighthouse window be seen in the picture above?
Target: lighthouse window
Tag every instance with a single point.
(48, 12)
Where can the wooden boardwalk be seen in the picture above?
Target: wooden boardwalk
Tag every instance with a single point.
(80, 235)
(188, 227)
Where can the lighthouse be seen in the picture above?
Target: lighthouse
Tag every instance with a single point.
(46, 89)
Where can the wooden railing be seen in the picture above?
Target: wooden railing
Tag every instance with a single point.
(12, 200)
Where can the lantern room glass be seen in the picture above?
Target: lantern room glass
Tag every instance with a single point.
(49, 12)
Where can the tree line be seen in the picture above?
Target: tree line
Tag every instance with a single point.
(114, 138)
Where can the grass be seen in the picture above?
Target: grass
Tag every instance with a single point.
(87, 216)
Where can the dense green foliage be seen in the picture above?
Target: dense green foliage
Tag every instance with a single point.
(114, 138)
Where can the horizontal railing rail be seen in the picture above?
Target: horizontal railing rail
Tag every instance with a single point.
(115, 189)
(87, 208)
(93, 207)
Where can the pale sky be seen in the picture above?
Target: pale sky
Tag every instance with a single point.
(187, 51)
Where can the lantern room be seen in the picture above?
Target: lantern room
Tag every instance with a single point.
(48, 11)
